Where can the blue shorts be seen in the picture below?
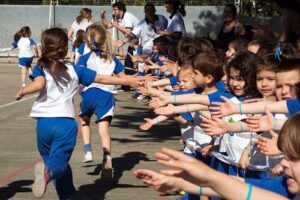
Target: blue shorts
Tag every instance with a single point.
(25, 62)
(97, 101)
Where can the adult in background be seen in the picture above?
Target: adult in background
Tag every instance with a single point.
(231, 27)
(83, 20)
(145, 30)
(123, 21)
(176, 28)
(289, 20)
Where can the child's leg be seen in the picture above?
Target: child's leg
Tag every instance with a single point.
(56, 138)
(23, 75)
(106, 174)
(86, 137)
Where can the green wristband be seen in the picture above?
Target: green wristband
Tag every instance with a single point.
(174, 98)
(156, 121)
(240, 107)
(200, 191)
(249, 191)
(187, 108)
(241, 126)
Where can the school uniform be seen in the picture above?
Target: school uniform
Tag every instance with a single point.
(293, 106)
(25, 52)
(146, 32)
(277, 185)
(83, 49)
(81, 26)
(56, 127)
(98, 98)
(176, 24)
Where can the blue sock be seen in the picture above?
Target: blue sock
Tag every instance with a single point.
(87, 147)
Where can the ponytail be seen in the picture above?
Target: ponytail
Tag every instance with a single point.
(182, 10)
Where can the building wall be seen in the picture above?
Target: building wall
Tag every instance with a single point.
(200, 20)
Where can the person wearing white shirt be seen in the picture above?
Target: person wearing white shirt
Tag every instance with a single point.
(176, 28)
(83, 20)
(146, 29)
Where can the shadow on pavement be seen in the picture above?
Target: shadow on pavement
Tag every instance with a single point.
(15, 187)
(97, 190)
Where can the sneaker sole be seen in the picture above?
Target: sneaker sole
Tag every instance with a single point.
(39, 185)
(87, 161)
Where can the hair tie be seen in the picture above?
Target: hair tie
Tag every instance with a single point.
(278, 52)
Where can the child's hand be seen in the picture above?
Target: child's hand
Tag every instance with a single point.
(278, 169)
(214, 126)
(184, 166)
(244, 160)
(147, 125)
(159, 182)
(261, 123)
(20, 94)
(159, 101)
(167, 110)
(223, 109)
(147, 90)
(206, 151)
(135, 82)
(102, 13)
(268, 146)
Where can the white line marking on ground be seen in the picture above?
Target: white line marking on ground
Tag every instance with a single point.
(15, 102)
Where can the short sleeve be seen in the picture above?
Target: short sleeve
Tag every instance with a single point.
(277, 185)
(85, 75)
(293, 106)
(82, 61)
(173, 80)
(14, 44)
(216, 96)
(137, 30)
(32, 42)
(81, 48)
(36, 72)
(119, 66)
(139, 50)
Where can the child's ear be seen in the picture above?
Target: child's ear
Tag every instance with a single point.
(209, 79)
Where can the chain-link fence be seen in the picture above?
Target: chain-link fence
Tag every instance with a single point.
(108, 2)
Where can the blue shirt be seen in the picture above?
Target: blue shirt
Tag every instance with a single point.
(293, 105)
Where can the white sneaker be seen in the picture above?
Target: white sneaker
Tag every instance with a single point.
(141, 97)
(114, 91)
(42, 178)
(88, 157)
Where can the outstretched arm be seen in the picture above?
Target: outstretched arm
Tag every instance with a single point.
(35, 86)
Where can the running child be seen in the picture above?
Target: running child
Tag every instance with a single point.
(57, 81)
(27, 50)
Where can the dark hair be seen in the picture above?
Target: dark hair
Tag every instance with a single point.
(120, 5)
(239, 43)
(161, 39)
(172, 50)
(84, 13)
(267, 63)
(288, 64)
(233, 9)
(189, 47)
(245, 62)
(177, 5)
(54, 49)
(290, 4)
(298, 90)
(288, 140)
(208, 64)
(23, 32)
(150, 5)
(80, 38)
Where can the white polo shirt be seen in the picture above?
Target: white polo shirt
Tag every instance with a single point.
(81, 26)
(176, 24)
(128, 20)
(146, 33)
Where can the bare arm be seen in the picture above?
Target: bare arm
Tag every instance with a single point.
(37, 85)
(70, 34)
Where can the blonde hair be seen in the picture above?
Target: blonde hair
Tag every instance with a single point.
(99, 39)
(84, 13)
(289, 140)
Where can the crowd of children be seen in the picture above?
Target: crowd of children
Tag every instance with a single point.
(237, 109)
